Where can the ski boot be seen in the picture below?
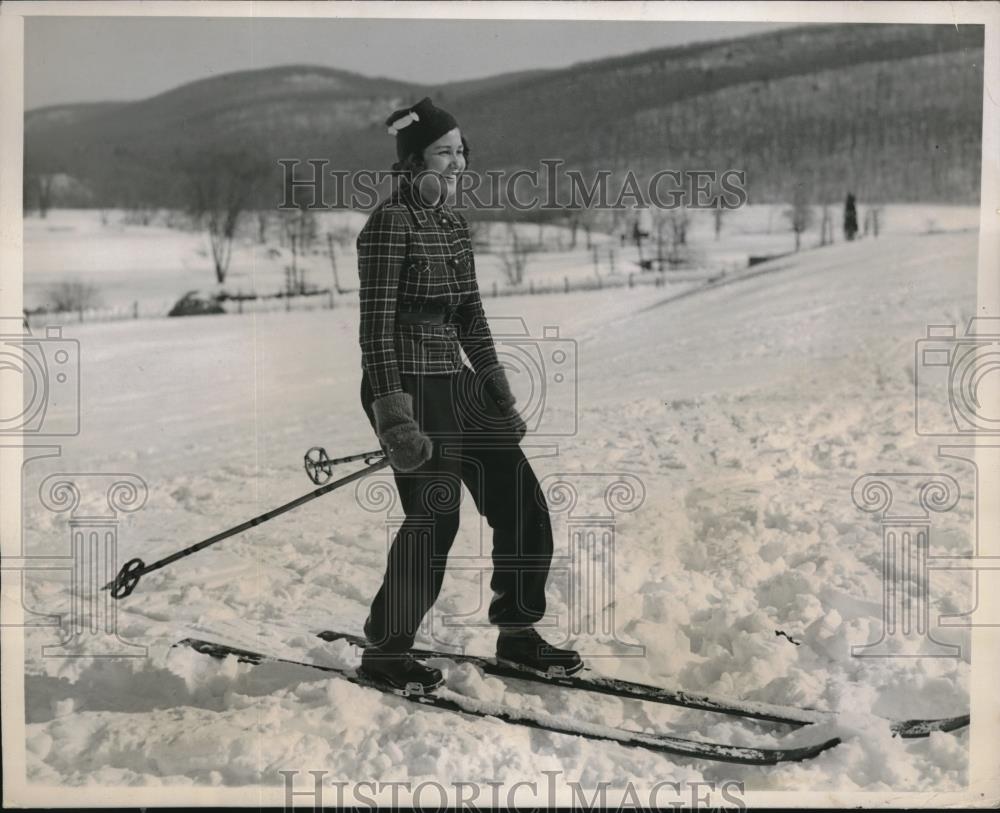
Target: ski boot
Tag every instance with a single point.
(526, 649)
(400, 671)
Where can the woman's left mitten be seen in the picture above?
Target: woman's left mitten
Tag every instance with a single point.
(498, 389)
(407, 447)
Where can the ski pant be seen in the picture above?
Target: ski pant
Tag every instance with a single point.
(505, 490)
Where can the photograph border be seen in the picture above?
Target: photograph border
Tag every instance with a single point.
(984, 737)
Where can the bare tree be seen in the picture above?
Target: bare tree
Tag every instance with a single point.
(577, 217)
(220, 186)
(299, 228)
(38, 191)
(295, 277)
(138, 211)
(671, 228)
(826, 225)
(876, 219)
(514, 256)
(179, 220)
(587, 221)
(679, 220)
(717, 215)
(800, 215)
(73, 295)
(331, 247)
(46, 187)
(660, 232)
(343, 235)
(479, 233)
(38, 183)
(716, 199)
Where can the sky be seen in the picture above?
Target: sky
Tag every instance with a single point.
(90, 59)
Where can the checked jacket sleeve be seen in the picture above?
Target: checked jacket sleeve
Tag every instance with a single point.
(381, 254)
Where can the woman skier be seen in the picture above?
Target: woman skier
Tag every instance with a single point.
(441, 422)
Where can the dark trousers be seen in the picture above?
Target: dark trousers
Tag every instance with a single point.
(467, 450)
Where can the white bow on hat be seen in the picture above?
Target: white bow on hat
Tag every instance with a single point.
(403, 121)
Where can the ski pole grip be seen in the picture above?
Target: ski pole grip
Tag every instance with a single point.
(127, 578)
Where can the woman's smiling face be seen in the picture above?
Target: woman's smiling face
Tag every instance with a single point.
(445, 157)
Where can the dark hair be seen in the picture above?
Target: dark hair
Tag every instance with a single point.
(414, 163)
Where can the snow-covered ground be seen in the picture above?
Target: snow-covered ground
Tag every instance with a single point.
(746, 410)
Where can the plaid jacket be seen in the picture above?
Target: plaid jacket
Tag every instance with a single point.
(415, 257)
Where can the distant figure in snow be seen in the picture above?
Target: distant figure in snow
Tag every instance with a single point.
(441, 422)
(638, 234)
(850, 217)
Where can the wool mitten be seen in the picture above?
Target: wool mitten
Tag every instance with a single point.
(407, 447)
(498, 388)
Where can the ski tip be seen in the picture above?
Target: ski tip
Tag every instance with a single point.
(912, 729)
(801, 754)
(823, 746)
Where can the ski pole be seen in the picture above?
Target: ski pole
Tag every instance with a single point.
(134, 569)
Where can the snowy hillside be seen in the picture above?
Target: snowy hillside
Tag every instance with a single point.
(775, 102)
(746, 410)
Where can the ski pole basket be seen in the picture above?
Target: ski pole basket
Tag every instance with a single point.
(319, 465)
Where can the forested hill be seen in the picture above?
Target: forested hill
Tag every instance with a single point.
(892, 112)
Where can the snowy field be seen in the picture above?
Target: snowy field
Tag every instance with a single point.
(746, 410)
(155, 265)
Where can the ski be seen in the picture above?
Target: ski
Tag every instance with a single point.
(765, 712)
(661, 743)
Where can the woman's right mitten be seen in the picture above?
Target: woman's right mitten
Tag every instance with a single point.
(407, 447)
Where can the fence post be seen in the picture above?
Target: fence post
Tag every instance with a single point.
(288, 303)
(135, 309)
(494, 288)
(597, 264)
(531, 286)
(630, 280)
(566, 284)
(331, 299)
(80, 311)
(612, 254)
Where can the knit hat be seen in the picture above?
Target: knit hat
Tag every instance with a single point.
(418, 126)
